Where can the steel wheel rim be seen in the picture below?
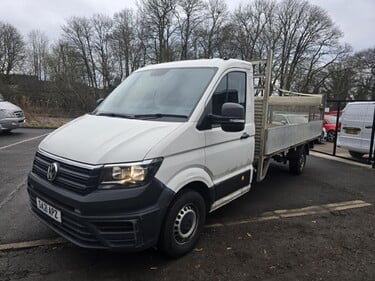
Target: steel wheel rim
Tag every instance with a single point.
(185, 224)
(331, 136)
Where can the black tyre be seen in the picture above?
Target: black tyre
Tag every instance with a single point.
(183, 224)
(357, 155)
(331, 136)
(297, 161)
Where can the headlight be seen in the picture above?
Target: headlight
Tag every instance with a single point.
(129, 174)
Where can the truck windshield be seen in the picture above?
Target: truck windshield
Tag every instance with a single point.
(158, 93)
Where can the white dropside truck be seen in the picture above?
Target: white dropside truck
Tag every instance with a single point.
(172, 143)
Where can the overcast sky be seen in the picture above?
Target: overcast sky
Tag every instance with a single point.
(356, 18)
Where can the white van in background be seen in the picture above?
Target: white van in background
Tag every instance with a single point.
(356, 128)
(11, 116)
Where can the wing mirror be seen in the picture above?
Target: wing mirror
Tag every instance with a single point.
(232, 118)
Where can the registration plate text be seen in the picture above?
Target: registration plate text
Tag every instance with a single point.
(48, 210)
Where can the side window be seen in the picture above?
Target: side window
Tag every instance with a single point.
(232, 88)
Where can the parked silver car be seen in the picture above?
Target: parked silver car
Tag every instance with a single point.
(11, 116)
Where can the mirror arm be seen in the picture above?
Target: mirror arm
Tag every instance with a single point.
(219, 119)
(99, 101)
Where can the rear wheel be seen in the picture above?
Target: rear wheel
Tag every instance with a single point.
(355, 154)
(183, 224)
(297, 161)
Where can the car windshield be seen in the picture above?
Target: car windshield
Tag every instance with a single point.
(158, 93)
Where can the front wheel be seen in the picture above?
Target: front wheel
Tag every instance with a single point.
(331, 135)
(297, 161)
(183, 224)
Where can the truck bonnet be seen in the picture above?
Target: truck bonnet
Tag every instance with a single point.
(103, 140)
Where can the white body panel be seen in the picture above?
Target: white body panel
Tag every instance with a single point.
(356, 127)
(226, 153)
(11, 116)
(184, 158)
(103, 140)
(281, 137)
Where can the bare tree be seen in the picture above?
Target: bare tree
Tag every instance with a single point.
(78, 32)
(340, 81)
(207, 34)
(189, 16)
(364, 66)
(37, 53)
(251, 22)
(12, 48)
(308, 37)
(65, 64)
(102, 29)
(124, 42)
(158, 18)
(67, 72)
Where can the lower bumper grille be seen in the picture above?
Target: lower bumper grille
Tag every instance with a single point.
(89, 233)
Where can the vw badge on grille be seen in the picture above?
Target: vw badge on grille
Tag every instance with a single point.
(52, 171)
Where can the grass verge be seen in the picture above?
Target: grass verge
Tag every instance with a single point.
(45, 122)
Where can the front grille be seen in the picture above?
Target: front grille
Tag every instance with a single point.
(92, 234)
(78, 179)
(19, 114)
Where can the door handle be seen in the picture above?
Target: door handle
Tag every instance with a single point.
(368, 127)
(244, 136)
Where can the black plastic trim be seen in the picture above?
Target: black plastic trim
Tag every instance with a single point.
(128, 219)
(232, 184)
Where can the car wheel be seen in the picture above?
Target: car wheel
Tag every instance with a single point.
(331, 136)
(357, 155)
(297, 161)
(321, 139)
(183, 224)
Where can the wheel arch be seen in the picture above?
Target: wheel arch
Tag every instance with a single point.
(202, 189)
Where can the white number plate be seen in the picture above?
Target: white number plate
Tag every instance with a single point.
(48, 210)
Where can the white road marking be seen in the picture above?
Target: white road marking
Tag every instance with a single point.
(31, 244)
(23, 141)
(273, 215)
(311, 210)
(11, 195)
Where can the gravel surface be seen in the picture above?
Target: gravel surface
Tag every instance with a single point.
(337, 246)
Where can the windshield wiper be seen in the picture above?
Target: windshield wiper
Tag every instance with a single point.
(159, 115)
(110, 114)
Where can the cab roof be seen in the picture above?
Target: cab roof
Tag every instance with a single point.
(217, 63)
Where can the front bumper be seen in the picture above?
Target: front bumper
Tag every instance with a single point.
(11, 123)
(128, 219)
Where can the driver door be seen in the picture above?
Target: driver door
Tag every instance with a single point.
(229, 155)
